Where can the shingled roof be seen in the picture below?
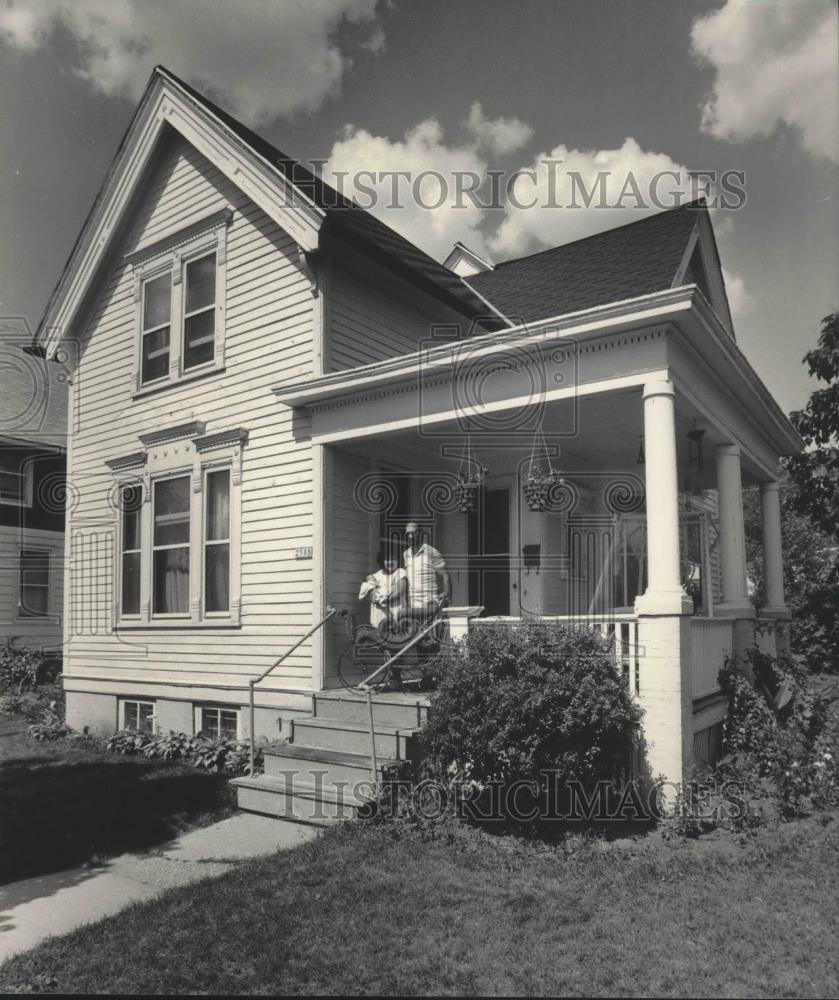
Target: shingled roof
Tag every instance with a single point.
(354, 224)
(622, 263)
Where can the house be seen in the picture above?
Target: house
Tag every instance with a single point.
(33, 430)
(270, 381)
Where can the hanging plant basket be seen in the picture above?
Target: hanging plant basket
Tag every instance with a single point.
(466, 494)
(470, 477)
(537, 490)
(540, 479)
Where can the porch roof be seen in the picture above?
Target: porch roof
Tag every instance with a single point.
(682, 310)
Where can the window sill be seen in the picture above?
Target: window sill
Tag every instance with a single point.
(176, 623)
(194, 376)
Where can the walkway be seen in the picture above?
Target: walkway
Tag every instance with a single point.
(36, 908)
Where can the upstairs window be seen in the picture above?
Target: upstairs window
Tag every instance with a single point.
(179, 295)
(156, 324)
(199, 311)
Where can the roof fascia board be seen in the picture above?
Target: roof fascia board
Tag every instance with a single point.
(701, 324)
(164, 103)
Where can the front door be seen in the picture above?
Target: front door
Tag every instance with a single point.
(489, 551)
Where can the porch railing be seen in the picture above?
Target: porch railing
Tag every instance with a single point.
(620, 631)
(330, 613)
(710, 643)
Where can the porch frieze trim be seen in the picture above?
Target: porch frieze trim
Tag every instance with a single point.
(176, 432)
(407, 386)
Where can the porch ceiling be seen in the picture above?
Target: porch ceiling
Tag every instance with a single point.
(600, 433)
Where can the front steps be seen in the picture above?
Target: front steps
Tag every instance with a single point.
(324, 773)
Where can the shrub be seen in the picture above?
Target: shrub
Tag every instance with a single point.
(514, 702)
(792, 760)
(229, 756)
(19, 667)
(49, 729)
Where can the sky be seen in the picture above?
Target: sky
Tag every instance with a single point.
(629, 86)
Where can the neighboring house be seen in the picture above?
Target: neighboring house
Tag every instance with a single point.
(33, 430)
(270, 381)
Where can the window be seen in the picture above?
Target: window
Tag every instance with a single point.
(156, 325)
(179, 291)
(219, 723)
(199, 311)
(178, 543)
(132, 502)
(34, 583)
(217, 543)
(15, 478)
(170, 549)
(137, 716)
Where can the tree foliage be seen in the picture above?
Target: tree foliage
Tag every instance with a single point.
(816, 471)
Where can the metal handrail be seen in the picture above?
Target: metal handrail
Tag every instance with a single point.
(368, 691)
(330, 613)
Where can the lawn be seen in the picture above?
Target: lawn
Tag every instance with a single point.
(359, 912)
(69, 801)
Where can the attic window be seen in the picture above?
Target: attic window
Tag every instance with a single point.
(180, 306)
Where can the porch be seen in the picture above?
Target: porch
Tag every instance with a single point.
(653, 421)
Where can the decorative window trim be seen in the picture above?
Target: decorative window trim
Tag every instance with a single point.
(122, 702)
(172, 253)
(181, 450)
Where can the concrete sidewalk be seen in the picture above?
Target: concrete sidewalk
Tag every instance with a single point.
(36, 908)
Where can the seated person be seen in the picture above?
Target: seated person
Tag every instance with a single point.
(387, 590)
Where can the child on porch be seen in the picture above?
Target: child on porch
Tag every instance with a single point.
(387, 590)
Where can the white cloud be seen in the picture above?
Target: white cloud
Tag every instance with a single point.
(431, 165)
(498, 136)
(275, 58)
(776, 63)
(739, 298)
(570, 178)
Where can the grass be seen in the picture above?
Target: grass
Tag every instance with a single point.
(70, 801)
(360, 912)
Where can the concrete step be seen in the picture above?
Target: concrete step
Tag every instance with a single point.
(353, 737)
(300, 801)
(316, 765)
(396, 709)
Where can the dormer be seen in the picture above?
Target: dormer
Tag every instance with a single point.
(465, 262)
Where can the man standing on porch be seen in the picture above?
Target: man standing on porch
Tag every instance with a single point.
(424, 564)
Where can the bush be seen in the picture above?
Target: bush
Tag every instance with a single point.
(229, 756)
(514, 702)
(793, 760)
(20, 668)
(49, 729)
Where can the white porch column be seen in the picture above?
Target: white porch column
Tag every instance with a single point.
(664, 625)
(735, 595)
(664, 594)
(773, 559)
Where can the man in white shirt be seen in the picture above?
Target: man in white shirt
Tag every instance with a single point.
(425, 567)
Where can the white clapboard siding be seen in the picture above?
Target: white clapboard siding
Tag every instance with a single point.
(269, 338)
(368, 322)
(34, 633)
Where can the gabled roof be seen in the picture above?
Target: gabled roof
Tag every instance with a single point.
(622, 263)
